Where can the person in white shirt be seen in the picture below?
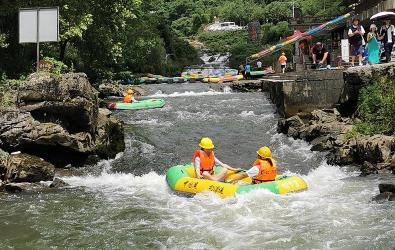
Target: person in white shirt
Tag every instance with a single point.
(387, 36)
(259, 65)
(355, 34)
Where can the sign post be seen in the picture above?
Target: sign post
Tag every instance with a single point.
(39, 25)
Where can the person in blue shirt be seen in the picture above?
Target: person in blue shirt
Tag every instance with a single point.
(248, 71)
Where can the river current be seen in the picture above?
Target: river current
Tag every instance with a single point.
(125, 203)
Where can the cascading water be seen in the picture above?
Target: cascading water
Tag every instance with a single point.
(128, 205)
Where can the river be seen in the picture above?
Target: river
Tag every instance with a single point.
(125, 203)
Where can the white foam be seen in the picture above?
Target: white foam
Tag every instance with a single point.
(151, 122)
(332, 208)
(247, 113)
(189, 93)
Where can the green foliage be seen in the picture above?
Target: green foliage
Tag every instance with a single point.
(274, 33)
(241, 11)
(103, 37)
(8, 92)
(376, 107)
(58, 67)
(352, 133)
(3, 40)
(329, 8)
(222, 42)
(278, 11)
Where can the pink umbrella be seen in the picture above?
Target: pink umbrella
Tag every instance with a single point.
(382, 15)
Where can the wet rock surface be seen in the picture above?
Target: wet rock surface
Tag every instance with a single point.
(27, 168)
(387, 192)
(58, 183)
(69, 100)
(23, 187)
(58, 119)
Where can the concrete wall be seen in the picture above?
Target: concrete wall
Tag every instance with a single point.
(305, 93)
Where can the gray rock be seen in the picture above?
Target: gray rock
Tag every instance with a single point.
(375, 148)
(13, 188)
(28, 168)
(110, 135)
(326, 115)
(58, 183)
(341, 155)
(322, 143)
(68, 100)
(23, 186)
(291, 126)
(386, 187)
(19, 130)
(384, 197)
(60, 116)
(363, 75)
(368, 168)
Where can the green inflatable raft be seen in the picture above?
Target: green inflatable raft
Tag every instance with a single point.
(182, 179)
(143, 104)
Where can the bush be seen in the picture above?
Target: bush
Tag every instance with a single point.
(376, 107)
(58, 67)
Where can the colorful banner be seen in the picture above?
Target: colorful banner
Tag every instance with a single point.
(301, 36)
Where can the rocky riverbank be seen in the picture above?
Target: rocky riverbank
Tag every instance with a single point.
(54, 121)
(326, 130)
(333, 130)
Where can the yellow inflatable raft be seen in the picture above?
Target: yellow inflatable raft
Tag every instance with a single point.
(182, 179)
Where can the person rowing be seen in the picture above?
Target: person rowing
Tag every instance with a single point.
(263, 169)
(204, 161)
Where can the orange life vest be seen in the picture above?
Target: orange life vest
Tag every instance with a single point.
(267, 171)
(207, 162)
(128, 99)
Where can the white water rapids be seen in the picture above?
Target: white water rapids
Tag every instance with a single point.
(126, 203)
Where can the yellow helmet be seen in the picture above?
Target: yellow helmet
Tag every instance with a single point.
(264, 152)
(130, 91)
(206, 143)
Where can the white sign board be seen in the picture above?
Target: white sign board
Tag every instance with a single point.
(48, 25)
(345, 50)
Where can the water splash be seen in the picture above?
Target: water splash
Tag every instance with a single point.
(188, 93)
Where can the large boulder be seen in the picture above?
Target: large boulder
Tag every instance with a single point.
(387, 187)
(68, 100)
(58, 120)
(387, 192)
(28, 168)
(342, 154)
(20, 131)
(375, 148)
(110, 135)
(291, 126)
(58, 183)
(3, 158)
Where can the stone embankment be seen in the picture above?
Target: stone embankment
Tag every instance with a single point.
(317, 106)
(327, 130)
(55, 122)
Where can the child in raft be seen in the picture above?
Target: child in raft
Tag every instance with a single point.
(263, 169)
(129, 98)
(204, 161)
